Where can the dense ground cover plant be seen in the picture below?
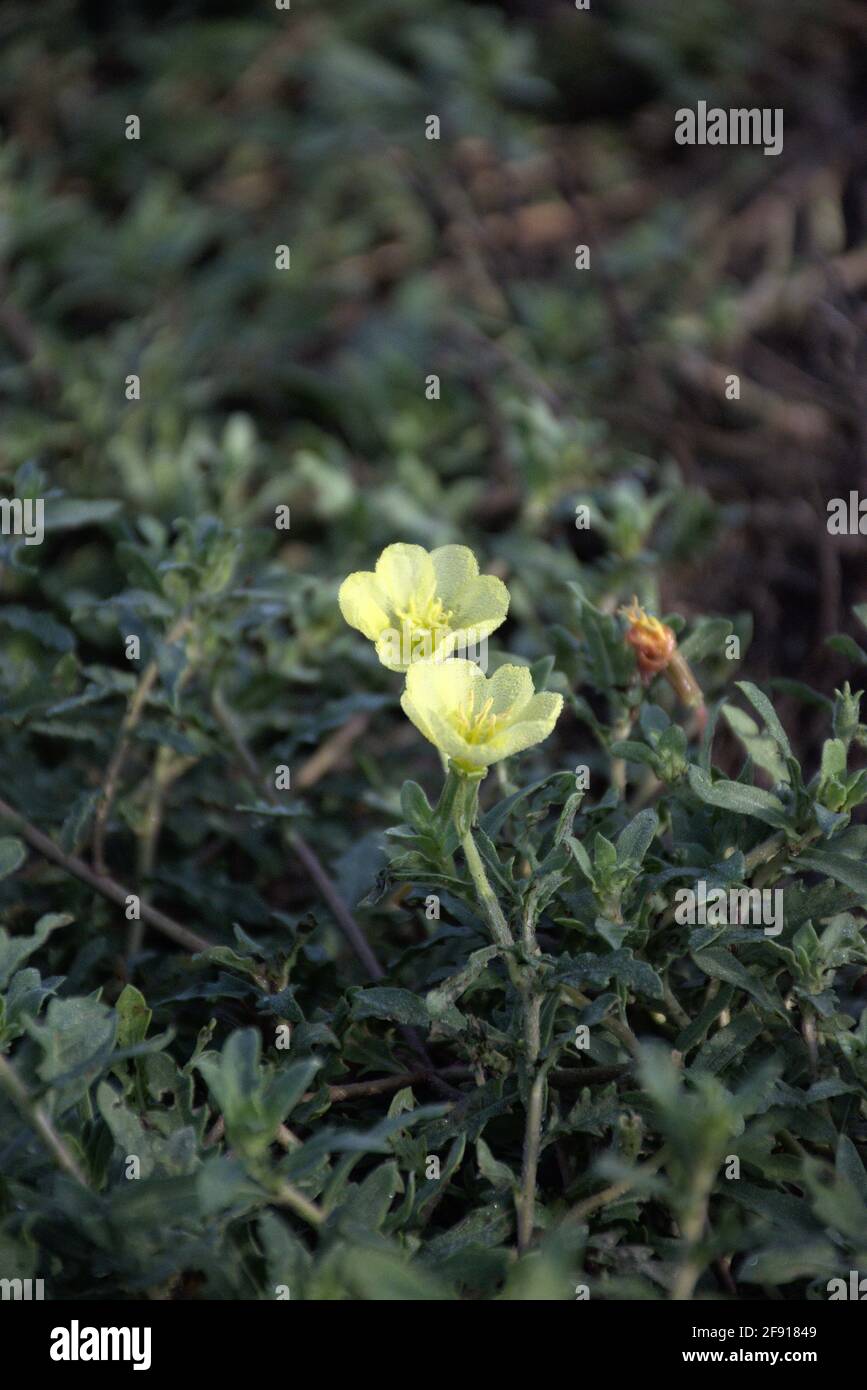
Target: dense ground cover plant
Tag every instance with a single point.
(329, 964)
(599, 1065)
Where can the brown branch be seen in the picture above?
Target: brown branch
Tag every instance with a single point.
(100, 883)
(168, 767)
(331, 751)
(343, 917)
(135, 709)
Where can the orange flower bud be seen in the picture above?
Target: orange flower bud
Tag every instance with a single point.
(654, 643)
(656, 651)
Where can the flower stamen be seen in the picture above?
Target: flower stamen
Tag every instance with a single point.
(477, 726)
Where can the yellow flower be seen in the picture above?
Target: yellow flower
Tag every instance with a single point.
(418, 605)
(475, 720)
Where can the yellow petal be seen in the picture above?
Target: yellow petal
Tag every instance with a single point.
(445, 687)
(393, 647)
(482, 604)
(455, 567)
(417, 716)
(363, 604)
(511, 687)
(406, 574)
(514, 738)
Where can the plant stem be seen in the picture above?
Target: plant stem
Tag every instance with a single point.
(692, 1229)
(39, 1121)
(289, 1196)
(677, 1012)
(617, 1189)
(616, 1026)
(532, 1001)
(135, 710)
(485, 893)
(168, 766)
(526, 1203)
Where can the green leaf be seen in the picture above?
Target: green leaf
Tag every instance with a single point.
(14, 950)
(729, 1045)
(708, 639)
(635, 839)
(397, 1005)
(77, 1039)
(68, 514)
(581, 857)
(761, 747)
(440, 1000)
(720, 964)
(634, 752)
(498, 1174)
(133, 1017)
(366, 1206)
(599, 969)
(760, 702)
(850, 872)
(46, 629)
(833, 758)
(739, 799)
(842, 643)
(12, 855)
(415, 806)
(386, 1277)
(604, 855)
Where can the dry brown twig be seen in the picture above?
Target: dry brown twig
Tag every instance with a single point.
(100, 883)
(135, 709)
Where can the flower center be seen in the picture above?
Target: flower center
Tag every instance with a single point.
(424, 625)
(425, 615)
(477, 726)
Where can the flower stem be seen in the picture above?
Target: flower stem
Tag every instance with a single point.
(40, 1121)
(288, 1195)
(526, 1202)
(532, 1009)
(485, 893)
